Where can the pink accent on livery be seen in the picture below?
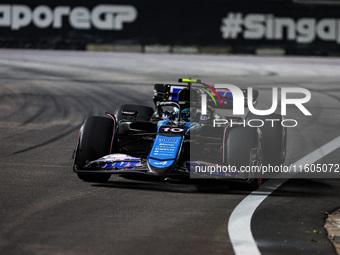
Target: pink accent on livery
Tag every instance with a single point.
(119, 158)
(224, 140)
(114, 130)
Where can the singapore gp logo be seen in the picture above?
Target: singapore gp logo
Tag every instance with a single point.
(256, 26)
(101, 17)
(239, 104)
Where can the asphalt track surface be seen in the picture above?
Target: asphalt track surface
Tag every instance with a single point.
(46, 209)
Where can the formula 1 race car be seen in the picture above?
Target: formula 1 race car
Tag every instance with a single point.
(191, 133)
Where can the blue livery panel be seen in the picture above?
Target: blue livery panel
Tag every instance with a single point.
(164, 151)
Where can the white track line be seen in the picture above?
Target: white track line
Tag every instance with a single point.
(239, 225)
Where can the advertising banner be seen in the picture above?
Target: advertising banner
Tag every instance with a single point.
(242, 25)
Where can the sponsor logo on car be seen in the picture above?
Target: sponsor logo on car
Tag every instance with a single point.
(161, 163)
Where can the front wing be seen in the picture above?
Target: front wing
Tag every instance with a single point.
(125, 164)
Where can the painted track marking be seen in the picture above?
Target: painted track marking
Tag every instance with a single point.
(239, 225)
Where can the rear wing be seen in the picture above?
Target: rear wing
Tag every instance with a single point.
(167, 92)
(224, 100)
(219, 98)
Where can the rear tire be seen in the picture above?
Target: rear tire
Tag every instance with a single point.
(274, 139)
(94, 142)
(241, 141)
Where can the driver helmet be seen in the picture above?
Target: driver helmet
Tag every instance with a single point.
(185, 114)
(174, 114)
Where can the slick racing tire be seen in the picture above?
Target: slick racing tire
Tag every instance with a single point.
(94, 142)
(144, 113)
(243, 147)
(274, 139)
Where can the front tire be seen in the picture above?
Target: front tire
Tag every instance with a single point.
(94, 142)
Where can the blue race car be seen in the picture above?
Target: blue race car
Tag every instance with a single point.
(187, 136)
